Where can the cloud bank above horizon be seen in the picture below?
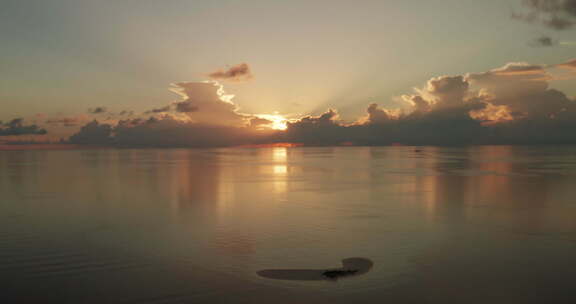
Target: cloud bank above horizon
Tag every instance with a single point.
(513, 104)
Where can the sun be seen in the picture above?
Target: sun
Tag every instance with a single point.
(278, 122)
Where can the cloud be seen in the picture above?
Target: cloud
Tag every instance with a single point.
(447, 90)
(323, 129)
(568, 65)
(168, 131)
(543, 41)
(17, 127)
(418, 103)
(239, 72)
(325, 119)
(378, 115)
(93, 133)
(258, 122)
(64, 121)
(511, 80)
(186, 107)
(205, 116)
(157, 110)
(126, 112)
(523, 88)
(554, 14)
(512, 104)
(207, 103)
(97, 110)
(165, 131)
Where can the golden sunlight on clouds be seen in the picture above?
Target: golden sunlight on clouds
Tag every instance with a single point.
(278, 122)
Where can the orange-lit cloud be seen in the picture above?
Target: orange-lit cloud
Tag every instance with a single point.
(63, 121)
(492, 114)
(510, 104)
(568, 65)
(239, 72)
(207, 103)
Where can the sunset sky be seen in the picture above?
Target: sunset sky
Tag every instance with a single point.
(64, 58)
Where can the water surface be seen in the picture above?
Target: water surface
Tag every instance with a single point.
(441, 225)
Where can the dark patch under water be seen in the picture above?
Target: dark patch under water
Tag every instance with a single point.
(350, 267)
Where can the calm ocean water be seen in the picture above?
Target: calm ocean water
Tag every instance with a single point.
(441, 225)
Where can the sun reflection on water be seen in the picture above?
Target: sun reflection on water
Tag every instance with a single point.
(280, 168)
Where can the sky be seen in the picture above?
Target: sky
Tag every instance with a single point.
(64, 58)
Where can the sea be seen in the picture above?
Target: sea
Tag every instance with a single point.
(479, 224)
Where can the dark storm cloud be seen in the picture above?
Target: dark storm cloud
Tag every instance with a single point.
(542, 41)
(17, 127)
(239, 72)
(97, 110)
(554, 14)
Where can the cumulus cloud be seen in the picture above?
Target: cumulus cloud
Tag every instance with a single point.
(568, 65)
(17, 127)
(166, 131)
(324, 129)
(93, 133)
(512, 104)
(447, 90)
(378, 115)
(186, 107)
(64, 121)
(126, 113)
(542, 41)
(97, 110)
(205, 116)
(554, 14)
(239, 72)
(418, 103)
(157, 110)
(258, 122)
(523, 88)
(207, 103)
(325, 119)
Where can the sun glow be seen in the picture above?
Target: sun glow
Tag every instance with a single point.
(278, 122)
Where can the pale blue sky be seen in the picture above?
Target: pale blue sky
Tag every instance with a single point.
(65, 56)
